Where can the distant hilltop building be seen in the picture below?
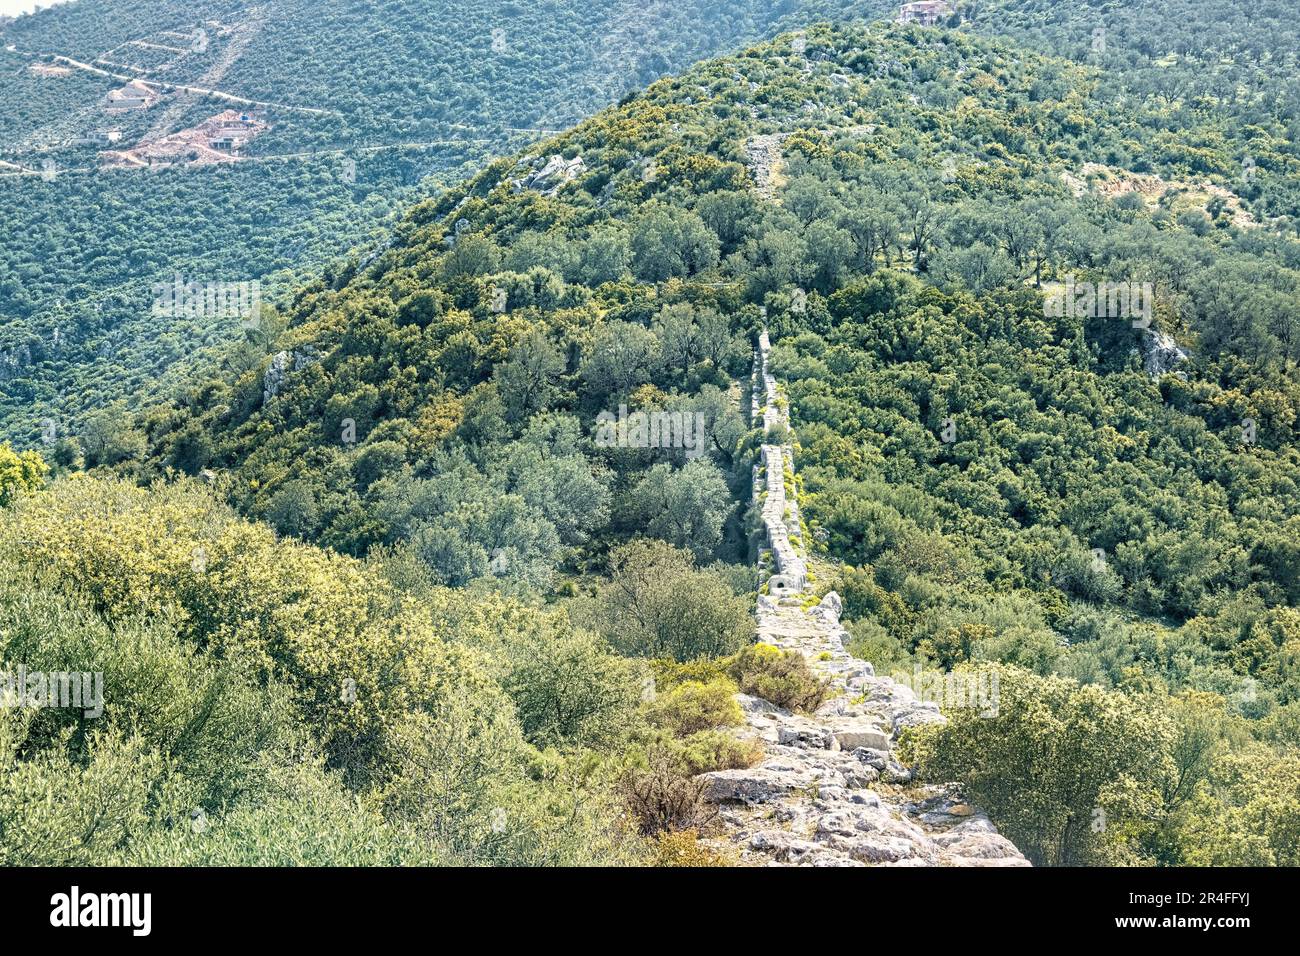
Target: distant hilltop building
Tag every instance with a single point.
(99, 138)
(134, 96)
(925, 12)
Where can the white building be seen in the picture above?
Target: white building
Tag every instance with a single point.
(133, 96)
(924, 12)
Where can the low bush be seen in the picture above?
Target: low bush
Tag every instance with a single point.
(683, 848)
(669, 673)
(663, 794)
(780, 677)
(719, 750)
(695, 706)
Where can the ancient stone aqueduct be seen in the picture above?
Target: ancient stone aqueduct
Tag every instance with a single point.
(830, 790)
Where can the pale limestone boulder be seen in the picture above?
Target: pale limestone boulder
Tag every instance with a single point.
(761, 784)
(864, 736)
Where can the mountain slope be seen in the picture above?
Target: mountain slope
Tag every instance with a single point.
(684, 146)
(854, 185)
(363, 103)
(407, 91)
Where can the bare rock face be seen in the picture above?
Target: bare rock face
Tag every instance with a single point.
(274, 376)
(828, 611)
(1161, 354)
(549, 177)
(277, 373)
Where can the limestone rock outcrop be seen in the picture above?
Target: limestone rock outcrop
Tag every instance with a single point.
(547, 178)
(277, 373)
(1160, 353)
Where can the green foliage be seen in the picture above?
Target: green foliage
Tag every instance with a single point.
(690, 723)
(1247, 814)
(1061, 768)
(872, 642)
(685, 507)
(249, 680)
(297, 817)
(781, 677)
(569, 689)
(19, 473)
(678, 848)
(717, 749)
(657, 604)
(670, 674)
(185, 740)
(433, 408)
(57, 813)
(1077, 775)
(294, 207)
(694, 706)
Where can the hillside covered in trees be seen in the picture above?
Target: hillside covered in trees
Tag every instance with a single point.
(372, 106)
(390, 534)
(369, 107)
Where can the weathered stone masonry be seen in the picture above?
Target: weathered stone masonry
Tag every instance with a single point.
(780, 515)
(830, 790)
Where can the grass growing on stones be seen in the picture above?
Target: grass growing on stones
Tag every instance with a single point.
(684, 848)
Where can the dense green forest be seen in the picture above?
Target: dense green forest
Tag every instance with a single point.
(413, 95)
(423, 602)
(374, 106)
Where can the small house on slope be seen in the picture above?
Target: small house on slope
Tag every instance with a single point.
(134, 96)
(925, 13)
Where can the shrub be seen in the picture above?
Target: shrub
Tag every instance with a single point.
(781, 677)
(687, 507)
(1052, 754)
(863, 597)
(19, 474)
(871, 642)
(658, 604)
(669, 673)
(695, 706)
(355, 659)
(683, 848)
(301, 817)
(719, 750)
(663, 795)
(569, 688)
(231, 658)
(57, 812)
